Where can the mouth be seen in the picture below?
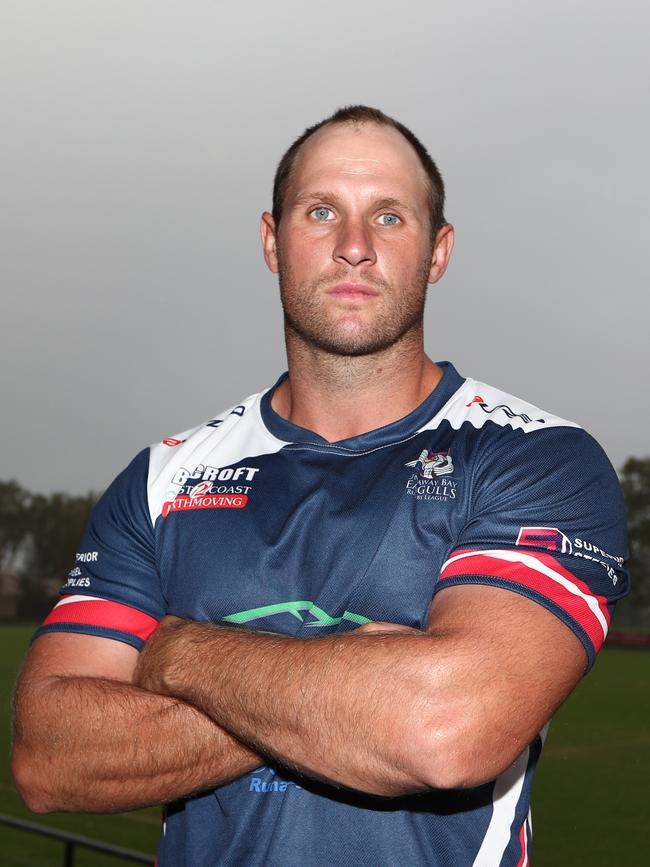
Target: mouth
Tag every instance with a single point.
(352, 291)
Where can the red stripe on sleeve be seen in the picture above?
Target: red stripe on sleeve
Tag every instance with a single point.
(549, 561)
(521, 573)
(552, 563)
(100, 612)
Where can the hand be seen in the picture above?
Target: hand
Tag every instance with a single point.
(154, 668)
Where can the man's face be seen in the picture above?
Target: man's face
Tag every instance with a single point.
(353, 250)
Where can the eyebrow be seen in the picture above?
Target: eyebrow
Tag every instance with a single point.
(393, 203)
(304, 198)
(320, 196)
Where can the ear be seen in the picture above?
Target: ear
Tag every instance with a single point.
(442, 248)
(269, 241)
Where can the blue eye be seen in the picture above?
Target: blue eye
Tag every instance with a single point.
(322, 214)
(389, 219)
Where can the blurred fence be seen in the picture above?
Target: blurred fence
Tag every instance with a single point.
(71, 842)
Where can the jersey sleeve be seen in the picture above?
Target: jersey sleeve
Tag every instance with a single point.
(113, 590)
(547, 521)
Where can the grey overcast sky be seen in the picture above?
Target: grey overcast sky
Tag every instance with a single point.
(139, 141)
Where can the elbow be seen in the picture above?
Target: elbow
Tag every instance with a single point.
(441, 763)
(463, 756)
(36, 778)
(35, 764)
(455, 770)
(29, 781)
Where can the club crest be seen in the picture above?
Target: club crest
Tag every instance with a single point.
(433, 464)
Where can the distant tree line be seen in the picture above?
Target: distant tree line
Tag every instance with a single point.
(634, 610)
(39, 536)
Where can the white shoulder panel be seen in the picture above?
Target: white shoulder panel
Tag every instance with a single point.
(477, 403)
(237, 433)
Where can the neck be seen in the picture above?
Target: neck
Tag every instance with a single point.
(339, 397)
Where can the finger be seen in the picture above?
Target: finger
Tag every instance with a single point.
(380, 626)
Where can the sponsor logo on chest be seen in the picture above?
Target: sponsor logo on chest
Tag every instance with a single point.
(207, 487)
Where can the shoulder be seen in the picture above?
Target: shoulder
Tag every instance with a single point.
(174, 466)
(501, 430)
(515, 447)
(212, 430)
(207, 453)
(478, 404)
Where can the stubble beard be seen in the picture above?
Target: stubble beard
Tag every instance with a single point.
(308, 320)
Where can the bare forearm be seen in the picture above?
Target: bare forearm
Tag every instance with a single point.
(348, 709)
(99, 745)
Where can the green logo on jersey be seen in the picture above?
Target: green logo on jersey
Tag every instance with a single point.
(299, 610)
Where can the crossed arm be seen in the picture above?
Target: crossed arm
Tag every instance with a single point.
(384, 709)
(87, 738)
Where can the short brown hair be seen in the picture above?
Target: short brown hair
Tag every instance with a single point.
(363, 114)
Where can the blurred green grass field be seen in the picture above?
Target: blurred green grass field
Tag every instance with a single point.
(591, 804)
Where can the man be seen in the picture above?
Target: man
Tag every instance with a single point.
(376, 571)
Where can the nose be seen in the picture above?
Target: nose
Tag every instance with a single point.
(354, 244)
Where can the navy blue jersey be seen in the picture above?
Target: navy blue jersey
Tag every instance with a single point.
(252, 520)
